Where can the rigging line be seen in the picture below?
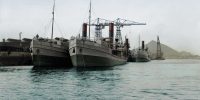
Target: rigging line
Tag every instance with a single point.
(83, 20)
(79, 31)
(47, 27)
(59, 29)
(43, 29)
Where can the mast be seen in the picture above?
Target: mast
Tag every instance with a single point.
(139, 41)
(52, 21)
(20, 38)
(89, 18)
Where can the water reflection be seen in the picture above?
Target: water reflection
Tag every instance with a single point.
(14, 68)
(90, 82)
(82, 69)
(133, 81)
(47, 73)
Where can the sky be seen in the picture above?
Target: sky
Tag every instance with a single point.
(177, 22)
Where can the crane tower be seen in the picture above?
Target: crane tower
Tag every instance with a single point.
(99, 24)
(119, 23)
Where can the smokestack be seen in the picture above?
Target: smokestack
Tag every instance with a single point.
(111, 33)
(127, 43)
(111, 30)
(142, 45)
(127, 40)
(84, 30)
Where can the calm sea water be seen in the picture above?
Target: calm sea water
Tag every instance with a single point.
(156, 80)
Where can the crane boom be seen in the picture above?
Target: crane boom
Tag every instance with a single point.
(119, 23)
(100, 24)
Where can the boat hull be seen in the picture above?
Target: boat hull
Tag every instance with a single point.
(142, 56)
(46, 54)
(142, 59)
(15, 59)
(131, 58)
(94, 61)
(159, 58)
(89, 54)
(50, 61)
(15, 52)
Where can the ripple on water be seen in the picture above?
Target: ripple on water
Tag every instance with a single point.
(164, 80)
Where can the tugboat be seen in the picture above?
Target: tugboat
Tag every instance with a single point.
(131, 57)
(142, 54)
(15, 52)
(50, 52)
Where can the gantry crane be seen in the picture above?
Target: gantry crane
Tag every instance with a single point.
(119, 23)
(99, 24)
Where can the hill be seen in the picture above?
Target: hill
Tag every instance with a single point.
(169, 52)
